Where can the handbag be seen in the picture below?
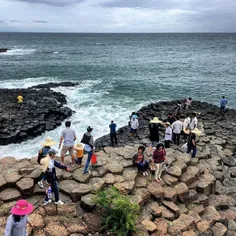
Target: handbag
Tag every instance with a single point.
(94, 159)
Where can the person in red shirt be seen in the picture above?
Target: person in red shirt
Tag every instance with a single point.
(159, 157)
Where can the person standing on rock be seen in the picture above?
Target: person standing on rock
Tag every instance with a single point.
(112, 127)
(193, 121)
(159, 157)
(20, 100)
(223, 103)
(177, 128)
(43, 153)
(134, 126)
(69, 137)
(154, 126)
(88, 147)
(51, 177)
(191, 143)
(186, 125)
(18, 220)
(139, 160)
(189, 103)
(168, 135)
(170, 118)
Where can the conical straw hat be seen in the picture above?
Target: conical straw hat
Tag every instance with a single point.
(49, 142)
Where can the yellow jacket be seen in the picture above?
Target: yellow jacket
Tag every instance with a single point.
(45, 162)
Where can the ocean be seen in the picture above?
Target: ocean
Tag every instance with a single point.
(117, 74)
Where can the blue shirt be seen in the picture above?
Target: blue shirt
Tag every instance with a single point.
(69, 137)
(223, 102)
(112, 128)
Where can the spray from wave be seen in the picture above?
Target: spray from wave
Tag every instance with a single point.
(18, 52)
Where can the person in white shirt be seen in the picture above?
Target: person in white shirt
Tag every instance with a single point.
(168, 135)
(193, 123)
(186, 125)
(177, 128)
(134, 126)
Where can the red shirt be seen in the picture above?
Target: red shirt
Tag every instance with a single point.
(159, 156)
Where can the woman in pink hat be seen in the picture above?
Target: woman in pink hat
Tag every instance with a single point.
(17, 221)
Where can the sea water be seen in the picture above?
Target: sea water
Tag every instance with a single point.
(117, 74)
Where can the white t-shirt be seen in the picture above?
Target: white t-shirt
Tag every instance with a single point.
(134, 123)
(177, 126)
(186, 122)
(168, 133)
(193, 123)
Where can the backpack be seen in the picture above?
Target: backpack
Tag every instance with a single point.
(85, 139)
(42, 153)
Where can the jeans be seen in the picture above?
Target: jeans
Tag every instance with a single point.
(190, 148)
(113, 137)
(176, 138)
(222, 110)
(55, 190)
(143, 166)
(88, 161)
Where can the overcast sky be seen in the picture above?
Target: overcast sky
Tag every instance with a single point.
(118, 15)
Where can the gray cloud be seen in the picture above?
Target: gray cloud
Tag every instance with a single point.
(40, 21)
(58, 3)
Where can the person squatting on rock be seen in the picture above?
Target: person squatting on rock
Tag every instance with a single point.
(159, 157)
(191, 143)
(139, 160)
(88, 147)
(112, 127)
(41, 154)
(193, 121)
(177, 128)
(154, 126)
(18, 220)
(223, 103)
(79, 148)
(134, 124)
(51, 176)
(168, 135)
(68, 136)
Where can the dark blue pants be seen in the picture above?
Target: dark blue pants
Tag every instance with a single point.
(55, 190)
(143, 166)
(88, 161)
(190, 148)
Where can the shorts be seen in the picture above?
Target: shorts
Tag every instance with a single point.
(133, 131)
(65, 149)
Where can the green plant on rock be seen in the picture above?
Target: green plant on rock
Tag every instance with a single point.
(118, 212)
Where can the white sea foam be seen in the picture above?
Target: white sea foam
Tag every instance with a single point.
(93, 107)
(55, 52)
(18, 51)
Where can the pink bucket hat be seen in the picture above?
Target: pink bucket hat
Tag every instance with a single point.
(22, 207)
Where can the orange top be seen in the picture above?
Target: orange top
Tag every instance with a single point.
(80, 153)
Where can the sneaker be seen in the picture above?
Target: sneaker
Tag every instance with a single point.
(87, 172)
(157, 180)
(146, 173)
(59, 202)
(47, 202)
(40, 183)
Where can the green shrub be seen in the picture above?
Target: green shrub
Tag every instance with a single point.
(118, 212)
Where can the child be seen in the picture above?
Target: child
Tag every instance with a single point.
(79, 148)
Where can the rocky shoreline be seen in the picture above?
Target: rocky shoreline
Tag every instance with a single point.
(42, 110)
(196, 197)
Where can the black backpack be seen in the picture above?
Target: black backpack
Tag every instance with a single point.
(85, 139)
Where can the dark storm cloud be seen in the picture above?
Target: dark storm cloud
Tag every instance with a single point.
(52, 2)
